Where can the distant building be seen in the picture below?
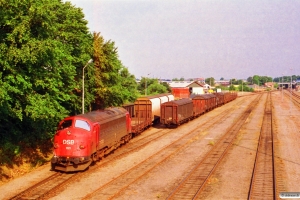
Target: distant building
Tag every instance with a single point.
(222, 82)
(269, 85)
(183, 89)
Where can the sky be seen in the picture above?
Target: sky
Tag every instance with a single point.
(200, 38)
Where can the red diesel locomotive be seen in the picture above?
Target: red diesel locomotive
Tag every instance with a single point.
(84, 138)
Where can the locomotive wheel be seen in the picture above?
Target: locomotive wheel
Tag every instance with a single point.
(94, 157)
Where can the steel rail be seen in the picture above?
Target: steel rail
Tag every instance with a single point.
(263, 179)
(42, 190)
(119, 184)
(191, 186)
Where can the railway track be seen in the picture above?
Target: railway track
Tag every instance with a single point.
(56, 183)
(121, 183)
(279, 167)
(263, 182)
(191, 186)
(293, 96)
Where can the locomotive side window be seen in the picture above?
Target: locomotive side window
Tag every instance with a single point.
(65, 124)
(82, 124)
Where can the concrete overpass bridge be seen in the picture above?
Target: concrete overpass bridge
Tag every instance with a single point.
(286, 85)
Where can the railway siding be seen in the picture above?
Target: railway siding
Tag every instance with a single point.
(263, 178)
(191, 186)
(230, 180)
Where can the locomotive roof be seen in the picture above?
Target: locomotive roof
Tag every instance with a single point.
(105, 115)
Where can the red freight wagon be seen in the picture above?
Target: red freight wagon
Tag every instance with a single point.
(176, 112)
(219, 98)
(142, 117)
(210, 101)
(147, 111)
(199, 102)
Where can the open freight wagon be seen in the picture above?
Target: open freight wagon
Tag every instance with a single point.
(146, 110)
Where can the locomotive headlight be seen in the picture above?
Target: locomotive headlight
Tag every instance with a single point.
(68, 132)
(81, 146)
(55, 145)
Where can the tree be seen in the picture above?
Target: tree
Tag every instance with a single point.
(43, 45)
(256, 80)
(245, 88)
(231, 88)
(153, 86)
(210, 81)
(110, 83)
(167, 86)
(250, 79)
(157, 88)
(178, 79)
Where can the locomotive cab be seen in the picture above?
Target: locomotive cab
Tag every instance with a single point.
(71, 145)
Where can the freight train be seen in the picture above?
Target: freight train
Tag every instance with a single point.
(86, 138)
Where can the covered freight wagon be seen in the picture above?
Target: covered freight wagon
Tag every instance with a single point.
(200, 104)
(209, 99)
(219, 98)
(176, 112)
(229, 96)
(143, 104)
(147, 111)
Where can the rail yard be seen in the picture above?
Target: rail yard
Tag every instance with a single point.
(246, 149)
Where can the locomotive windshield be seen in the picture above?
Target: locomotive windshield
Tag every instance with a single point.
(82, 124)
(65, 124)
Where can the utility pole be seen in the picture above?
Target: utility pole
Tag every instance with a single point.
(90, 61)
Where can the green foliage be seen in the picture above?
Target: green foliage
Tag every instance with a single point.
(210, 81)
(261, 80)
(178, 79)
(233, 81)
(223, 88)
(167, 86)
(157, 88)
(286, 78)
(250, 79)
(151, 86)
(244, 88)
(231, 88)
(42, 47)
